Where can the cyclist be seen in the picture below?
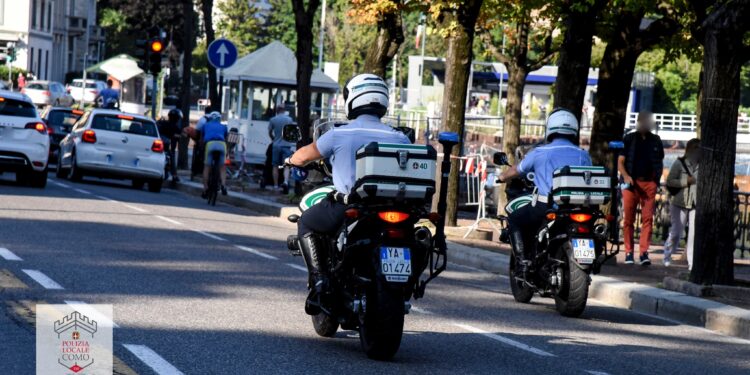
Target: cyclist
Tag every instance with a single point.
(110, 97)
(214, 138)
(169, 130)
(562, 133)
(366, 97)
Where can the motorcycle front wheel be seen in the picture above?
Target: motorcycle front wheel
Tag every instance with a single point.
(382, 324)
(572, 294)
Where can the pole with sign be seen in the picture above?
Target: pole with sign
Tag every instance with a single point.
(221, 54)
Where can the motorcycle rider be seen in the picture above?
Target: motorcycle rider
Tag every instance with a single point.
(169, 130)
(366, 97)
(560, 151)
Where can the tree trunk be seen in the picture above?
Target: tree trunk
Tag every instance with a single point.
(207, 8)
(389, 39)
(458, 62)
(699, 104)
(304, 18)
(613, 91)
(722, 60)
(513, 110)
(575, 58)
(188, 40)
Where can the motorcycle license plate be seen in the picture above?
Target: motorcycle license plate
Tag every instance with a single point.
(395, 263)
(583, 250)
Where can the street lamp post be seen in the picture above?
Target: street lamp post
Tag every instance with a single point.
(85, 63)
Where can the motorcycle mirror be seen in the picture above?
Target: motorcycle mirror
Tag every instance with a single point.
(291, 133)
(500, 158)
(448, 138)
(531, 176)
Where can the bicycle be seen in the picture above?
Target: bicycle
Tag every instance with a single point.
(214, 177)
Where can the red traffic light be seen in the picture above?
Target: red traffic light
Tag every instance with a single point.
(156, 46)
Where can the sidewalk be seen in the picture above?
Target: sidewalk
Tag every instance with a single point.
(632, 287)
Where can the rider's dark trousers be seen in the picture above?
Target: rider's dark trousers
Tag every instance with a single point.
(326, 217)
(527, 220)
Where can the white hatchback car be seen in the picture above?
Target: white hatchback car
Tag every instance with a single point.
(112, 144)
(24, 141)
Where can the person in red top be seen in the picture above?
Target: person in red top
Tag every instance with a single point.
(21, 81)
(640, 165)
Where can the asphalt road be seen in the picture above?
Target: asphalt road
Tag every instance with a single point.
(212, 290)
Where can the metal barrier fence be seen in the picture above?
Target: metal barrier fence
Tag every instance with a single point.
(685, 123)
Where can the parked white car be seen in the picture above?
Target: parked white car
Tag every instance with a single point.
(44, 93)
(89, 93)
(24, 141)
(111, 144)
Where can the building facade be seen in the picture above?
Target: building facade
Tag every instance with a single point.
(50, 36)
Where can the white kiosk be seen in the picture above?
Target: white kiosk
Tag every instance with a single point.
(257, 84)
(132, 81)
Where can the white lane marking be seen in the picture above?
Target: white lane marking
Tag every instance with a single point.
(82, 191)
(596, 372)
(8, 255)
(168, 220)
(105, 198)
(504, 340)
(153, 360)
(60, 184)
(91, 312)
(209, 235)
(42, 279)
(420, 310)
(256, 252)
(297, 267)
(134, 207)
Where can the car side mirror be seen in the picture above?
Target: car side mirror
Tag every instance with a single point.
(291, 133)
(500, 158)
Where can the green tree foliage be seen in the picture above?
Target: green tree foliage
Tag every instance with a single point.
(240, 24)
(676, 80)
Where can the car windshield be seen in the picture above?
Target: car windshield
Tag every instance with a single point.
(60, 118)
(89, 85)
(36, 86)
(17, 108)
(124, 124)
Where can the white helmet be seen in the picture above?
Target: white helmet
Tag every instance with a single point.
(562, 121)
(214, 116)
(365, 94)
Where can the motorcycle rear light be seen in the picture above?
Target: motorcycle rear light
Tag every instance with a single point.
(395, 233)
(393, 216)
(583, 229)
(351, 213)
(157, 146)
(580, 218)
(38, 126)
(551, 216)
(89, 136)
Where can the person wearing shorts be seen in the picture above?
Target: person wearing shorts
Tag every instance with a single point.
(214, 137)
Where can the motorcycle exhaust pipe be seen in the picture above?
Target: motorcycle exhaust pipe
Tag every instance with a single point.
(600, 229)
(423, 236)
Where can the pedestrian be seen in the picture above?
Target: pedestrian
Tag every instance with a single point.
(681, 184)
(281, 149)
(640, 166)
(21, 81)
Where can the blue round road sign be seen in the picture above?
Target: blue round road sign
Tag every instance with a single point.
(222, 53)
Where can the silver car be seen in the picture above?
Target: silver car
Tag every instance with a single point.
(112, 144)
(44, 93)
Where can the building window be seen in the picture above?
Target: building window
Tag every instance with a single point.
(38, 62)
(49, 16)
(41, 19)
(33, 14)
(31, 58)
(46, 64)
(2, 12)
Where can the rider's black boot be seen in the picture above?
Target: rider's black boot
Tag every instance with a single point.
(314, 253)
(518, 245)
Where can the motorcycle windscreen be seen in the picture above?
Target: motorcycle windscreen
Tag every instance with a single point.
(314, 197)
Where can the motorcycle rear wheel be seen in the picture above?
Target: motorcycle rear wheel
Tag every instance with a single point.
(382, 325)
(325, 325)
(521, 292)
(571, 297)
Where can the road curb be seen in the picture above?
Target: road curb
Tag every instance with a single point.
(679, 307)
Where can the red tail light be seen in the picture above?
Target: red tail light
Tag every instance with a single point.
(394, 233)
(352, 213)
(393, 217)
(157, 146)
(38, 126)
(89, 136)
(45, 93)
(583, 229)
(580, 218)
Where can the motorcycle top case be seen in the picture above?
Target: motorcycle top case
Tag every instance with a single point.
(395, 171)
(581, 185)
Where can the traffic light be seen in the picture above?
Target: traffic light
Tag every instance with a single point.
(149, 50)
(12, 53)
(141, 53)
(155, 48)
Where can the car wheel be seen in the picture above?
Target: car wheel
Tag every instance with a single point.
(138, 184)
(74, 174)
(37, 179)
(154, 185)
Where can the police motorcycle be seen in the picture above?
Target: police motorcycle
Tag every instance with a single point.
(382, 256)
(571, 244)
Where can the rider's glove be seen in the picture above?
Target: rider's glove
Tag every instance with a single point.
(288, 162)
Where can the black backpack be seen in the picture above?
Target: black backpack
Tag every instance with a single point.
(676, 190)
